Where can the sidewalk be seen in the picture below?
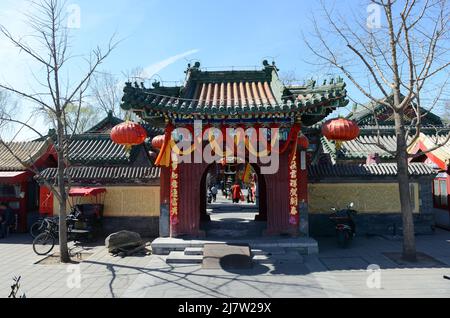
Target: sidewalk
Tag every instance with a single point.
(332, 273)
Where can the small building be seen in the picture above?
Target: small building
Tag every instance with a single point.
(19, 162)
(362, 172)
(434, 149)
(131, 181)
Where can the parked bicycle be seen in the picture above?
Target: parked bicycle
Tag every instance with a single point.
(44, 242)
(40, 225)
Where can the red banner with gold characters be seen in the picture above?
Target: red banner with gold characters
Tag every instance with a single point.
(174, 193)
(293, 189)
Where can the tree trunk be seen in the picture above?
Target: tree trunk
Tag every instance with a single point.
(63, 249)
(409, 240)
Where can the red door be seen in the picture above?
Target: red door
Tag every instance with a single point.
(45, 201)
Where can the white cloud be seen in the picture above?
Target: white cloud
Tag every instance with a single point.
(154, 69)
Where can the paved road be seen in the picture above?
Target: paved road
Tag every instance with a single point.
(333, 273)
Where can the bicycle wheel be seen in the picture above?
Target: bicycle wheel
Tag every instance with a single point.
(37, 228)
(43, 243)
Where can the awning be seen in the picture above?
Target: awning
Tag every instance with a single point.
(13, 176)
(86, 192)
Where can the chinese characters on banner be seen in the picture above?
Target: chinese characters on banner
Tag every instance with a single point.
(174, 193)
(293, 190)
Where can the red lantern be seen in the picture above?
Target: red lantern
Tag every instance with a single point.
(340, 130)
(128, 134)
(303, 142)
(158, 141)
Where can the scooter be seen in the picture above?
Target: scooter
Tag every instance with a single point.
(344, 224)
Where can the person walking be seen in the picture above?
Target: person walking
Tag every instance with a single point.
(236, 192)
(214, 193)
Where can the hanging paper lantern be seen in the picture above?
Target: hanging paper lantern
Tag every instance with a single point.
(158, 141)
(128, 134)
(340, 130)
(303, 142)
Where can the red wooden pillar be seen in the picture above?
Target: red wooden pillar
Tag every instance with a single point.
(174, 198)
(294, 190)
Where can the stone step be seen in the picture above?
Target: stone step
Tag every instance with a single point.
(305, 246)
(289, 257)
(263, 259)
(193, 251)
(231, 233)
(177, 257)
(241, 225)
(269, 251)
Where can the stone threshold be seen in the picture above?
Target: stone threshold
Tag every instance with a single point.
(306, 246)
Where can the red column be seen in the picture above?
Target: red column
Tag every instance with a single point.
(293, 195)
(174, 198)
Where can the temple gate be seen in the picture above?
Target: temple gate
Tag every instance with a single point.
(211, 109)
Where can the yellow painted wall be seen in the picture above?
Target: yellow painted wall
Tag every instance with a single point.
(127, 201)
(368, 197)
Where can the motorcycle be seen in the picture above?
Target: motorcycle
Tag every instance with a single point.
(344, 224)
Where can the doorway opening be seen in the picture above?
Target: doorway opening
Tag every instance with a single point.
(233, 201)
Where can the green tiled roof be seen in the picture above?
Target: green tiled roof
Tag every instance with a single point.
(105, 125)
(318, 172)
(235, 94)
(99, 149)
(107, 175)
(365, 144)
(365, 115)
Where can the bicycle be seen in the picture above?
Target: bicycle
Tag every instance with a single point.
(44, 243)
(40, 225)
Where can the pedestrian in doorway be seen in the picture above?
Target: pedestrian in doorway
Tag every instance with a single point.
(214, 193)
(236, 192)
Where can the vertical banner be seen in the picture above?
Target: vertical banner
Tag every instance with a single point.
(174, 196)
(293, 188)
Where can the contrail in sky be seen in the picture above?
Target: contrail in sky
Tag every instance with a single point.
(153, 69)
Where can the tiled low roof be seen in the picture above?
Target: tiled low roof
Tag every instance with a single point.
(374, 170)
(27, 152)
(365, 115)
(105, 175)
(361, 147)
(234, 93)
(105, 125)
(428, 142)
(92, 149)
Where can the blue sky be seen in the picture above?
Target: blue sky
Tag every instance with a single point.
(163, 35)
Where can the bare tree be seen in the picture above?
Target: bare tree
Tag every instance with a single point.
(390, 65)
(106, 93)
(51, 53)
(107, 89)
(77, 119)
